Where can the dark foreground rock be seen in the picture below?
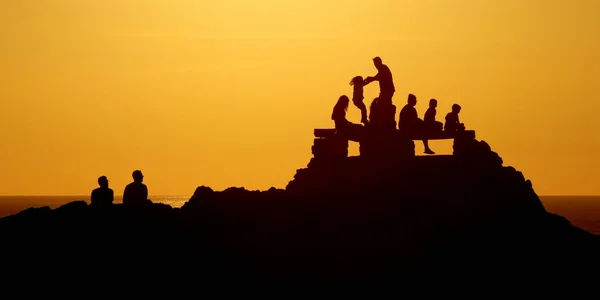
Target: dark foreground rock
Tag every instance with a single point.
(460, 219)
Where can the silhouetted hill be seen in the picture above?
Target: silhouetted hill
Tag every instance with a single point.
(461, 218)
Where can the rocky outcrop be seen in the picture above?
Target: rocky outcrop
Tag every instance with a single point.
(437, 219)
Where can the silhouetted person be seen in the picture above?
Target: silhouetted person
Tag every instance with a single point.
(136, 192)
(386, 82)
(338, 115)
(373, 110)
(358, 97)
(409, 122)
(103, 195)
(452, 122)
(431, 125)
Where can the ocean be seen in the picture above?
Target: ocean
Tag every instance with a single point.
(581, 211)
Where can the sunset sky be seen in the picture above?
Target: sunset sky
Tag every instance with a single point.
(227, 92)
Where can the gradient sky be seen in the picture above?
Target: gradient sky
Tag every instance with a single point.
(227, 92)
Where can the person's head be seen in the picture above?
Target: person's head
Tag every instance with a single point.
(137, 176)
(456, 108)
(103, 181)
(343, 102)
(433, 103)
(412, 100)
(357, 80)
(377, 62)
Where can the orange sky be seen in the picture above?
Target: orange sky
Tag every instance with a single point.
(227, 93)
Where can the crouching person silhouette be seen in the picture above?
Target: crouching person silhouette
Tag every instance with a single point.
(452, 121)
(136, 192)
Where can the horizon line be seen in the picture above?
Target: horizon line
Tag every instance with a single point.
(175, 195)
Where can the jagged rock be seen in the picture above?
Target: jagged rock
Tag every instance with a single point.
(413, 219)
(201, 195)
(72, 207)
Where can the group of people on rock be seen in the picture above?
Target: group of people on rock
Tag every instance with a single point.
(134, 193)
(382, 111)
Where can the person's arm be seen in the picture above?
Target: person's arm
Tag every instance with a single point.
(372, 78)
(145, 192)
(112, 196)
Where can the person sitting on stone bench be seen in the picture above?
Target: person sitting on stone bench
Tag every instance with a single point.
(452, 121)
(342, 125)
(409, 122)
(431, 125)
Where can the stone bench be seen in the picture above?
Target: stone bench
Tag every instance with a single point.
(328, 144)
(324, 133)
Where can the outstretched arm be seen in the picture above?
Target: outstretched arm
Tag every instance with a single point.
(371, 79)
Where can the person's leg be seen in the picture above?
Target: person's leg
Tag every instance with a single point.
(363, 110)
(427, 150)
(423, 129)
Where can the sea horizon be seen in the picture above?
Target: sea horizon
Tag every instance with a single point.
(582, 211)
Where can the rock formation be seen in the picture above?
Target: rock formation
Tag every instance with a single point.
(399, 218)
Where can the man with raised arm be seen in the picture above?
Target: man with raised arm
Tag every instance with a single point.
(386, 82)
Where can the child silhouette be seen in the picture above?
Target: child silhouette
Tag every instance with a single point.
(452, 121)
(431, 124)
(357, 97)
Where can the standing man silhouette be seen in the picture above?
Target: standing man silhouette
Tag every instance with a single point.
(386, 82)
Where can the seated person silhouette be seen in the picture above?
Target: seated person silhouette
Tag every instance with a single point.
(136, 192)
(409, 122)
(452, 121)
(374, 111)
(342, 125)
(431, 125)
(102, 196)
(357, 97)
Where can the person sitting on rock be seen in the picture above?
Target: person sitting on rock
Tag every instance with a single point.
(357, 97)
(452, 121)
(339, 114)
(431, 125)
(136, 192)
(103, 195)
(409, 122)
(373, 111)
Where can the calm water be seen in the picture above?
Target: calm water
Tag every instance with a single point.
(582, 211)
